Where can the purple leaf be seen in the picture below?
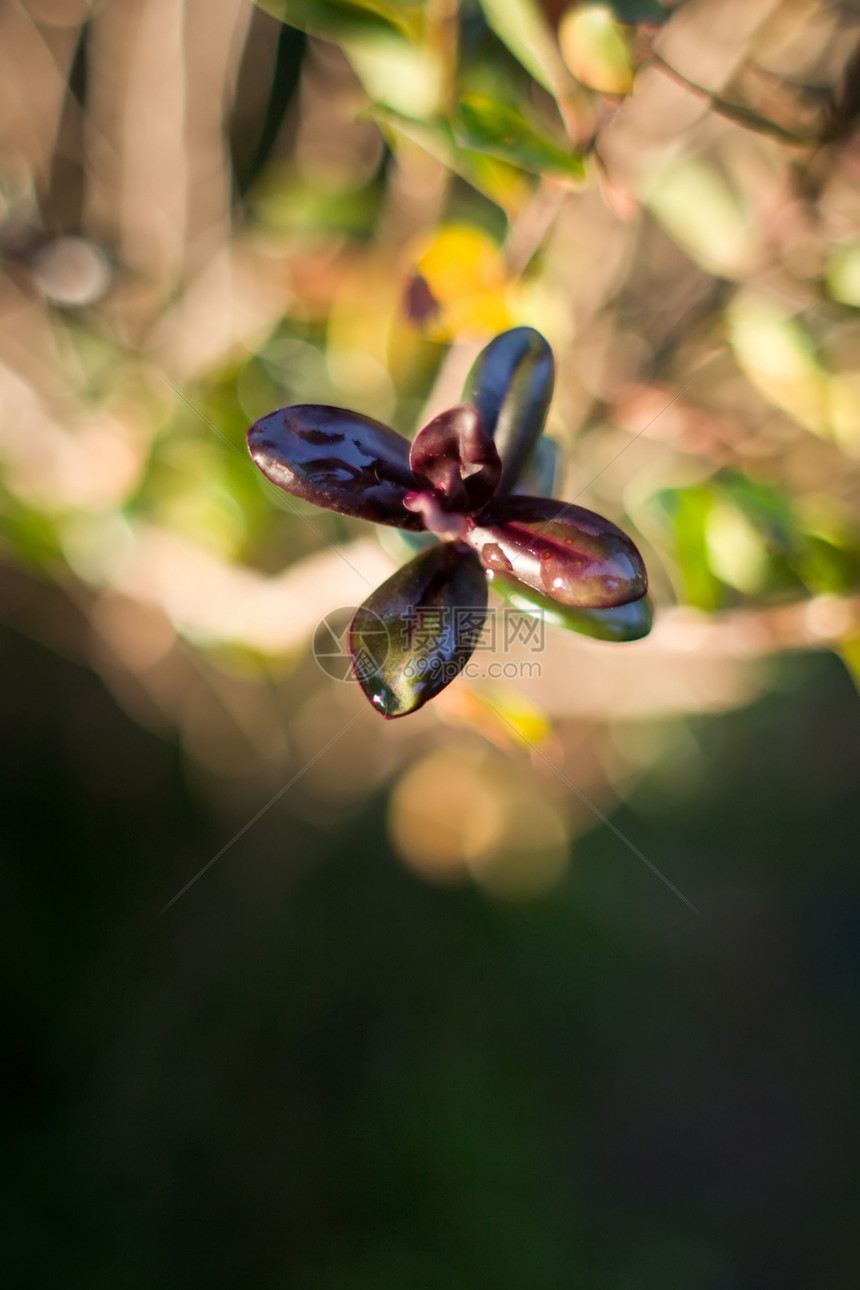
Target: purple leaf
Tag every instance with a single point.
(511, 384)
(337, 459)
(573, 555)
(458, 458)
(416, 633)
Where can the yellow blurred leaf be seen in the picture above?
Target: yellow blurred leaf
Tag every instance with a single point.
(461, 259)
(500, 712)
(523, 718)
(597, 49)
(464, 271)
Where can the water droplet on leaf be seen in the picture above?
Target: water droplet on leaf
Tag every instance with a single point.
(494, 557)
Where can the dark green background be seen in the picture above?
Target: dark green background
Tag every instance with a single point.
(315, 1071)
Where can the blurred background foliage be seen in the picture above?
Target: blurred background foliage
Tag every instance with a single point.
(428, 1023)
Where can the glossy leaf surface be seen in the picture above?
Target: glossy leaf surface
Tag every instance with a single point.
(570, 554)
(417, 631)
(628, 622)
(336, 459)
(511, 384)
(457, 458)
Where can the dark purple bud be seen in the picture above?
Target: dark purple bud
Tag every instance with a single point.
(417, 631)
(564, 551)
(337, 459)
(457, 459)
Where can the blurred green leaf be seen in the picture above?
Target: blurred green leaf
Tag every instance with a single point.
(849, 652)
(406, 77)
(521, 26)
(827, 568)
(686, 512)
(748, 534)
(288, 204)
(31, 534)
(383, 41)
(769, 508)
(485, 125)
(785, 549)
(499, 180)
(343, 19)
(735, 550)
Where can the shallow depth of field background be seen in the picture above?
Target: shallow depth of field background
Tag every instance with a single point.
(429, 1022)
